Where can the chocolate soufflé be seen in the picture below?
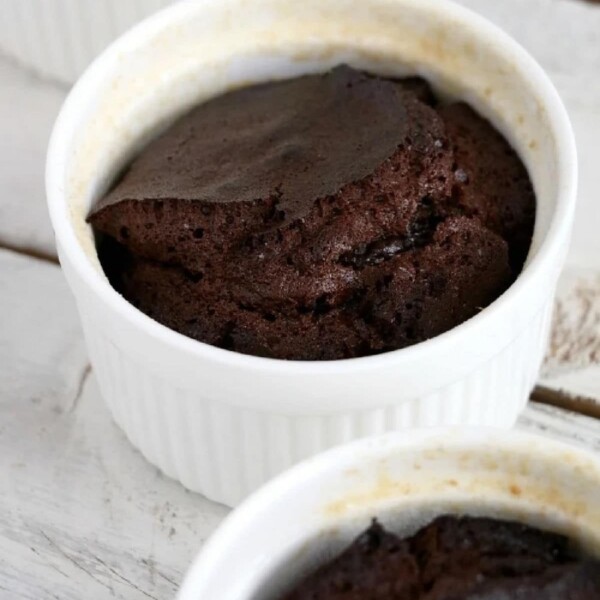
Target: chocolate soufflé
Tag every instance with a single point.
(324, 217)
(455, 559)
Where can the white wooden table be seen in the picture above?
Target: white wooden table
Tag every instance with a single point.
(82, 515)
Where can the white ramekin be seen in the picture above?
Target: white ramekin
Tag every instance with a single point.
(220, 422)
(404, 481)
(59, 38)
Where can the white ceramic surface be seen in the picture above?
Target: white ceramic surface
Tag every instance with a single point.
(315, 509)
(59, 38)
(222, 423)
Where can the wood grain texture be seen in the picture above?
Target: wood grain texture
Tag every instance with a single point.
(572, 365)
(28, 108)
(83, 515)
(42, 353)
(562, 425)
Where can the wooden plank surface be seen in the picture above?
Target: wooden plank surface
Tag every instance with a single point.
(83, 515)
(28, 108)
(42, 355)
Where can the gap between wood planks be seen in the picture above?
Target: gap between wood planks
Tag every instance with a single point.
(541, 394)
(30, 252)
(32, 72)
(561, 399)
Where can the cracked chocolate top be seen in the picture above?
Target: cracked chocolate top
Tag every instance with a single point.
(291, 141)
(323, 217)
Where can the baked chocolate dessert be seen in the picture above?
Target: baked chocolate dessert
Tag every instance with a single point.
(323, 217)
(455, 559)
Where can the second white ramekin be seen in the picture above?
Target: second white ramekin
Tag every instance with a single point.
(220, 422)
(59, 38)
(405, 481)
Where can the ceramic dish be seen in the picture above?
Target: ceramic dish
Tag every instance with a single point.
(220, 422)
(59, 38)
(405, 480)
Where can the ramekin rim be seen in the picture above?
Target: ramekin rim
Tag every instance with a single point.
(549, 247)
(354, 453)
